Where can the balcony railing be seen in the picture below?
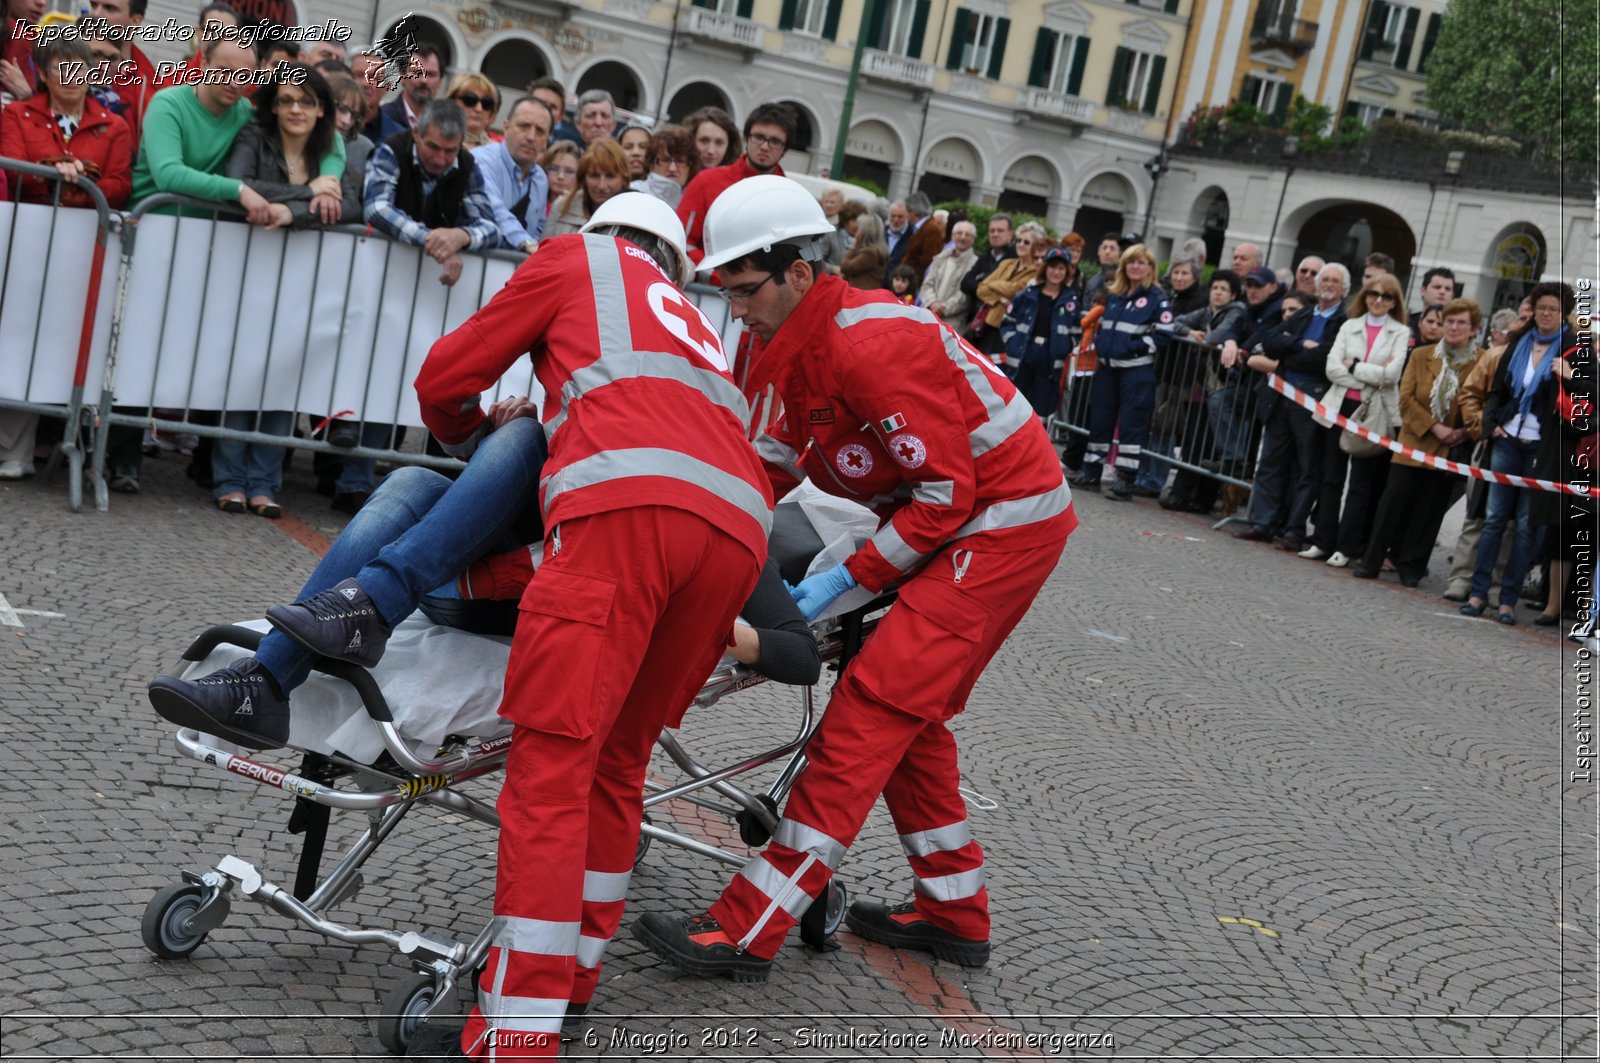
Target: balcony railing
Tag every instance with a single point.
(717, 26)
(886, 66)
(1275, 27)
(1048, 104)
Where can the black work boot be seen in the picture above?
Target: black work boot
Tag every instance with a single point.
(340, 622)
(903, 927)
(433, 1041)
(237, 702)
(698, 945)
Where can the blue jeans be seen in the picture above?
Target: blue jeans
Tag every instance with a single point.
(1506, 505)
(253, 468)
(1228, 408)
(361, 474)
(1152, 469)
(418, 530)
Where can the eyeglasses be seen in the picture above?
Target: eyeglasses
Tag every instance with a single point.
(1306, 271)
(289, 103)
(746, 293)
(472, 99)
(668, 161)
(1387, 297)
(765, 141)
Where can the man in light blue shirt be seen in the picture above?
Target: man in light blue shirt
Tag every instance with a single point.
(517, 185)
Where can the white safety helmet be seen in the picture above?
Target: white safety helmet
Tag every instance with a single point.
(759, 212)
(639, 210)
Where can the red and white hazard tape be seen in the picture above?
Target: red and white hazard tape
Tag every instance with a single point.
(1294, 394)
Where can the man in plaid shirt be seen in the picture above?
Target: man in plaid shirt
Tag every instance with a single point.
(422, 188)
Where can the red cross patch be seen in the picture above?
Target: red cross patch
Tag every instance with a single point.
(854, 460)
(908, 450)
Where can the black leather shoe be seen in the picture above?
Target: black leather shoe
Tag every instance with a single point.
(1362, 573)
(341, 623)
(1088, 479)
(902, 927)
(435, 1042)
(236, 702)
(1254, 534)
(698, 945)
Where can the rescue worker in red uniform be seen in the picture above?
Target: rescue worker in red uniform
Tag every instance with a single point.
(657, 515)
(881, 404)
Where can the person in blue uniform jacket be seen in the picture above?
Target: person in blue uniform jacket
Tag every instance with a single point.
(1041, 327)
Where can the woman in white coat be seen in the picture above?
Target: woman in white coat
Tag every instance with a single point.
(941, 288)
(1364, 363)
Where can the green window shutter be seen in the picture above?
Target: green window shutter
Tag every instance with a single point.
(919, 28)
(1429, 39)
(1044, 43)
(1250, 89)
(786, 15)
(1373, 37)
(1280, 106)
(830, 20)
(1170, 7)
(1119, 77)
(1408, 34)
(1352, 109)
(1152, 95)
(745, 7)
(997, 54)
(705, 3)
(875, 23)
(1080, 56)
(958, 38)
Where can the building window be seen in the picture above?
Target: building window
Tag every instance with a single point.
(978, 43)
(1058, 61)
(1136, 80)
(1268, 94)
(1391, 29)
(727, 7)
(811, 18)
(897, 26)
(1367, 112)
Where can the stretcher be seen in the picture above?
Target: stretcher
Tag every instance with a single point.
(409, 733)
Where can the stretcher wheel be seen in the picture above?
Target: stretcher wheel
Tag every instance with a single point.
(837, 900)
(824, 916)
(752, 831)
(166, 927)
(405, 1007)
(643, 846)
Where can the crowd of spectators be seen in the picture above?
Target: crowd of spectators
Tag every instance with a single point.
(1160, 369)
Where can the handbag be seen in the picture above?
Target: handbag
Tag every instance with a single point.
(1371, 416)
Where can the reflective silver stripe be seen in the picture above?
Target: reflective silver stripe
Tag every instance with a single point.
(1132, 329)
(855, 315)
(952, 887)
(523, 1014)
(934, 492)
(782, 893)
(610, 298)
(1130, 363)
(894, 549)
(1014, 416)
(780, 454)
(623, 464)
(938, 840)
(603, 887)
(1019, 511)
(590, 949)
(540, 936)
(613, 366)
(804, 839)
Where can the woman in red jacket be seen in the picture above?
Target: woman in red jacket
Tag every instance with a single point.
(63, 126)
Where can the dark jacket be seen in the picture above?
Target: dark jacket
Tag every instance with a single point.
(1136, 326)
(1220, 326)
(1193, 298)
(1065, 315)
(982, 268)
(442, 207)
(257, 160)
(1298, 364)
(391, 119)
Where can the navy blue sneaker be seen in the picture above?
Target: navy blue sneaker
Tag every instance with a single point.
(341, 623)
(236, 702)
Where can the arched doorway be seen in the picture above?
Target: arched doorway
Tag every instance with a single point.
(950, 168)
(1347, 232)
(1027, 187)
(693, 96)
(1104, 206)
(413, 29)
(616, 78)
(512, 64)
(870, 150)
(1210, 218)
(1516, 261)
(802, 147)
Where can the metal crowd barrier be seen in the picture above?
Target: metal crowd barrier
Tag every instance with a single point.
(1204, 422)
(21, 268)
(217, 325)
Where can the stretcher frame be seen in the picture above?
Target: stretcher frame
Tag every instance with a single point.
(179, 916)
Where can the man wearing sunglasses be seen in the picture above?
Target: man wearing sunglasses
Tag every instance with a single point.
(767, 133)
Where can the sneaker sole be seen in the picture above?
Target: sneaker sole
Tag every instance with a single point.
(175, 707)
(741, 968)
(279, 624)
(963, 953)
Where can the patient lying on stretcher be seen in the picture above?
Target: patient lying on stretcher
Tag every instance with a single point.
(423, 539)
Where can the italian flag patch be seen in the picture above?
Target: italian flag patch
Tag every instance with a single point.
(892, 424)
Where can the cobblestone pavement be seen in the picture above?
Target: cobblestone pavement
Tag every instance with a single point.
(1236, 805)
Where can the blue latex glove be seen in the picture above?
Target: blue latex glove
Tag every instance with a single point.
(815, 593)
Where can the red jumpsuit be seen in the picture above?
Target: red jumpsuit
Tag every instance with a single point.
(700, 193)
(658, 515)
(882, 404)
